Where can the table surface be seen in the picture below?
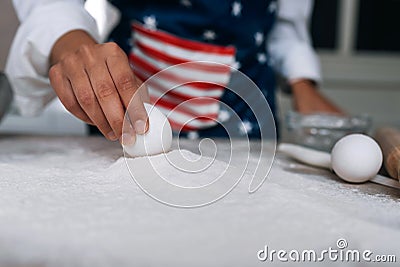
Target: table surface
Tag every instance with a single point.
(70, 201)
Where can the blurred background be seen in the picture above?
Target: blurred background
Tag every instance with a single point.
(359, 46)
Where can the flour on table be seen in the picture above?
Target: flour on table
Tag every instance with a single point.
(183, 179)
(72, 202)
(180, 167)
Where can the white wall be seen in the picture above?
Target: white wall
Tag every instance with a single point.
(8, 26)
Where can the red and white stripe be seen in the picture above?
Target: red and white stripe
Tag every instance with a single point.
(188, 94)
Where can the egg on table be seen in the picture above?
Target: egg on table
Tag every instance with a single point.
(356, 158)
(156, 140)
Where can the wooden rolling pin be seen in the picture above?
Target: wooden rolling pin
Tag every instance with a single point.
(389, 141)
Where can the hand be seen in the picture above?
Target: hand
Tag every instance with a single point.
(96, 84)
(307, 99)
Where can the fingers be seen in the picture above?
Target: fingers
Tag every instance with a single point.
(87, 99)
(127, 86)
(143, 90)
(63, 89)
(107, 96)
(128, 133)
(96, 84)
(79, 96)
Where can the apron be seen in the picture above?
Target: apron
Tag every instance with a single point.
(160, 34)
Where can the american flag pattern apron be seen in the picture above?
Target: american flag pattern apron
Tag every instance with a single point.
(159, 34)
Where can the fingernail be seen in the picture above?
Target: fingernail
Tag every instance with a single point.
(128, 139)
(140, 127)
(112, 136)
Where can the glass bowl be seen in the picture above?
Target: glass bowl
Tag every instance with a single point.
(322, 131)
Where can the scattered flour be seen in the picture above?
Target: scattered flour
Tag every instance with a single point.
(72, 202)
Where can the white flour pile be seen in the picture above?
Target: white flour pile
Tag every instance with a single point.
(72, 202)
(171, 167)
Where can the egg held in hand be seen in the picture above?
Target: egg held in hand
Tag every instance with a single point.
(156, 140)
(356, 158)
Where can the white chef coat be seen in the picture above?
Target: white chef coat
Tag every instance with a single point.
(45, 21)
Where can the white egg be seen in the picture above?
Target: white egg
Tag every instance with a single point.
(156, 140)
(356, 158)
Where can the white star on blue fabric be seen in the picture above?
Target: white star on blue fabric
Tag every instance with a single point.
(236, 9)
(223, 115)
(259, 38)
(186, 3)
(150, 22)
(209, 35)
(245, 127)
(262, 58)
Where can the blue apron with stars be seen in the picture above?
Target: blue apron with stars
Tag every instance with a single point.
(245, 25)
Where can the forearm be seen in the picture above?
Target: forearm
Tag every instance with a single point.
(308, 99)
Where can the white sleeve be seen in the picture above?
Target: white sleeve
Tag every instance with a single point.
(42, 23)
(289, 43)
